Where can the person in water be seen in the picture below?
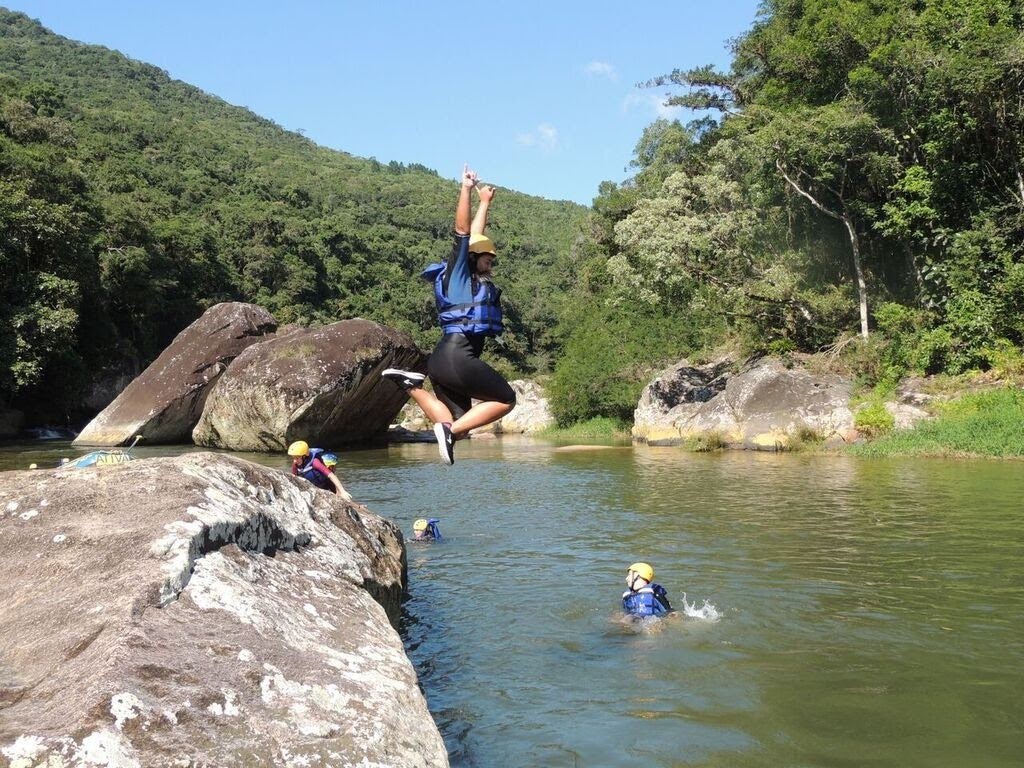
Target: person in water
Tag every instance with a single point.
(426, 529)
(643, 597)
(317, 466)
(469, 311)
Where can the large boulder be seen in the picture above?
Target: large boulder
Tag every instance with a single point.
(201, 611)
(672, 391)
(322, 385)
(164, 403)
(764, 406)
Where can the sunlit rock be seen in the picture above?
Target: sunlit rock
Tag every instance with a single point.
(674, 393)
(321, 385)
(202, 610)
(764, 406)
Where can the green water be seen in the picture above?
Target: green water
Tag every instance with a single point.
(870, 612)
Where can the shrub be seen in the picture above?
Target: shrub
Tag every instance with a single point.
(873, 419)
(803, 439)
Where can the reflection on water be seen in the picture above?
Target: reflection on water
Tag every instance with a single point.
(870, 612)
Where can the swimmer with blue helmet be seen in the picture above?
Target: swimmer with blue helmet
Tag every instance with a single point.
(426, 529)
(317, 466)
(644, 597)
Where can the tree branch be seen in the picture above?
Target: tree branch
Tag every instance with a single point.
(814, 202)
(851, 231)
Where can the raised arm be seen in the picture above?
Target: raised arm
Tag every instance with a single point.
(464, 207)
(486, 194)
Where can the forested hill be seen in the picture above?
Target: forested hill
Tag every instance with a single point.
(129, 202)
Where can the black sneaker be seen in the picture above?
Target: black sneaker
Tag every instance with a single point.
(445, 442)
(405, 379)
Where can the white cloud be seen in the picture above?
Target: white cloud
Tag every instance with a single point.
(653, 102)
(601, 69)
(544, 137)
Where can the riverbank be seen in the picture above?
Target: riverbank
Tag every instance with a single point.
(979, 424)
(599, 431)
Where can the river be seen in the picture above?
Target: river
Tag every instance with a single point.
(837, 611)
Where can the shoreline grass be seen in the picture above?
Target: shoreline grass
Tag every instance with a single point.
(987, 424)
(600, 430)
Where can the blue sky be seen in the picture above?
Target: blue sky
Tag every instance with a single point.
(539, 97)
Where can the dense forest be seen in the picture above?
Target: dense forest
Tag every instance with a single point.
(130, 202)
(854, 184)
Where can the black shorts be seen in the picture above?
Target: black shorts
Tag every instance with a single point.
(459, 375)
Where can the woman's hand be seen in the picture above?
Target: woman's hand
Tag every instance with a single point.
(486, 193)
(469, 177)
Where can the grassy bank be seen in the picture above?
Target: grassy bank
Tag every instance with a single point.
(597, 430)
(981, 424)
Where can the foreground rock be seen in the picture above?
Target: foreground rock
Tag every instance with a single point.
(201, 611)
(164, 403)
(764, 406)
(321, 385)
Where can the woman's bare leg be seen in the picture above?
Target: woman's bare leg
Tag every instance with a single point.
(434, 409)
(480, 414)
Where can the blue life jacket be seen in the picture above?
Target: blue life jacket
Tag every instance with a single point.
(481, 315)
(651, 600)
(316, 477)
(433, 529)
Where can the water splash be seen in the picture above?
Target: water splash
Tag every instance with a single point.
(707, 611)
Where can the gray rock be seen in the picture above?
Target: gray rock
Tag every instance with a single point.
(673, 392)
(164, 403)
(905, 415)
(201, 611)
(322, 385)
(412, 419)
(762, 407)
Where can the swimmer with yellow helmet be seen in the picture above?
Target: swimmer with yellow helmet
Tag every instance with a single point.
(644, 597)
(426, 529)
(469, 311)
(317, 466)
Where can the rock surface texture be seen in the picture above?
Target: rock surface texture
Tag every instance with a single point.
(164, 403)
(201, 611)
(676, 390)
(321, 385)
(764, 406)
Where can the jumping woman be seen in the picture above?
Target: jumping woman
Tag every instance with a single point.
(468, 310)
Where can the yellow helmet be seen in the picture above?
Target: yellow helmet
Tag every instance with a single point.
(643, 570)
(481, 244)
(420, 525)
(298, 448)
